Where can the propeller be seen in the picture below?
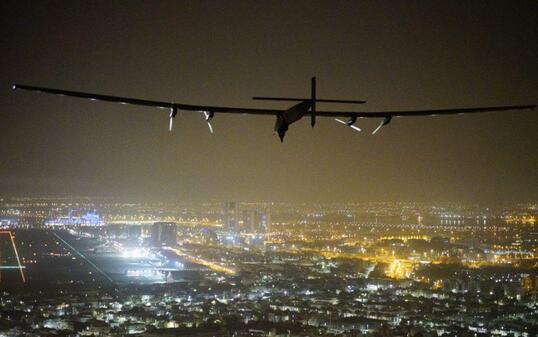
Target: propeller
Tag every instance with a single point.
(173, 113)
(349, 123)
(384, 122)
(208, 117)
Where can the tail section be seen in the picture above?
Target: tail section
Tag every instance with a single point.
(306, 103)
(313, 100)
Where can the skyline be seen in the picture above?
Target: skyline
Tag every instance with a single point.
(202, 53)
(243, 269)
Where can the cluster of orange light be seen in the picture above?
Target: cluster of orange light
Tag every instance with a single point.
(524, 220)
(398, 270)
(209, 264)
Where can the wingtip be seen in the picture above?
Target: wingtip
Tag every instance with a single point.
(530, 106)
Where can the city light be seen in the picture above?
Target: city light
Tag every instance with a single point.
(286, 266)
(135, 252)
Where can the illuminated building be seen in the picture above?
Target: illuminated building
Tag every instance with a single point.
(530, 285)
(440, 242)
(87, 219)
(255, 221)
(230, 216)
(163, 234)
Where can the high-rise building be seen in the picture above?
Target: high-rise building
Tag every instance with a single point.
(255, 221)
(163, 234)
(230, 216)
(248, 220)
(265, 222)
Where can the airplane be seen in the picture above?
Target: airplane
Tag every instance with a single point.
(284, 118)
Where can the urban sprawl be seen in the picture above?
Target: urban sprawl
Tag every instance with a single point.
(91, 267)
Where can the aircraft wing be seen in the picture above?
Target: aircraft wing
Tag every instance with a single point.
(149, 103)
(387, 115)
(255, 111)
(418, 113)
(284, 117)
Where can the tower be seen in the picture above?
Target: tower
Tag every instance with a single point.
(230, 216)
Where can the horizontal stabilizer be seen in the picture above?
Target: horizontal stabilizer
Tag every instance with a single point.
(319, 100)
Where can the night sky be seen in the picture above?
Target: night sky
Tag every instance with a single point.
(396, 55)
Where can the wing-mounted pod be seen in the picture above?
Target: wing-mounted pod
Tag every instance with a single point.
(173, 113)
(208, 115)
(349, 123)
(385, 121)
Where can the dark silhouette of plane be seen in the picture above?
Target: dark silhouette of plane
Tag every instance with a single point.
(284, 118)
